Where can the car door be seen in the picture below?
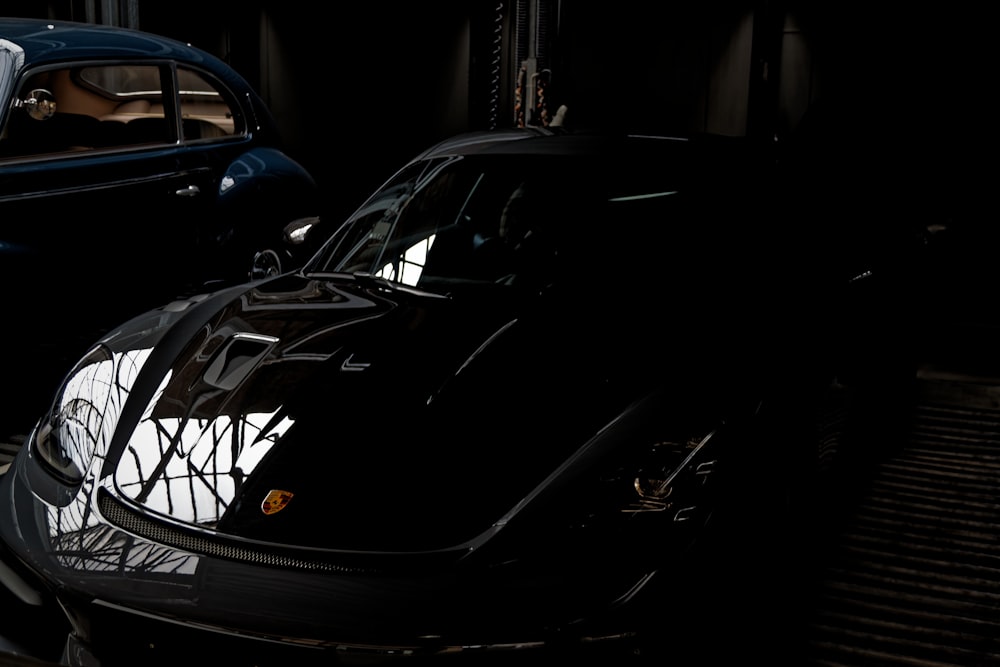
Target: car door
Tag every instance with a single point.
(105, 194)
(121, 198)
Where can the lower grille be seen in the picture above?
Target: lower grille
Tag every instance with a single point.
(135, 523)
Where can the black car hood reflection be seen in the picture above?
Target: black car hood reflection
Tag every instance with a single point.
(324, 413)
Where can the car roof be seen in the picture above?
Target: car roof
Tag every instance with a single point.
(582, 141)
(721, 154)
(45, 41)
(539, 141)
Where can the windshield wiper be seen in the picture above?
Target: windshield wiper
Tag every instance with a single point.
(373, 281)
(367, 279)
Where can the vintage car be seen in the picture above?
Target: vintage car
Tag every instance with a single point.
(133, 168)
(545, 392)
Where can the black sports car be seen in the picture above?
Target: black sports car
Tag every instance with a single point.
(523, 398)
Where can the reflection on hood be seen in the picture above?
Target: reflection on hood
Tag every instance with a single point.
(189, 454)
(291, 409)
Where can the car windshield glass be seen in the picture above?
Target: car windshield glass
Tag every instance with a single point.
(455, 224)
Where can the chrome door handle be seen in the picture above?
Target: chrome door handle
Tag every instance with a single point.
(189, 191)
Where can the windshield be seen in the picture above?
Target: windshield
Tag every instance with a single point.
(447, 224)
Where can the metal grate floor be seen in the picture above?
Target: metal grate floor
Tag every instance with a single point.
(913, 578)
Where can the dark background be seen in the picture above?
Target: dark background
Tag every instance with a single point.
(899, 93)
(881, 114)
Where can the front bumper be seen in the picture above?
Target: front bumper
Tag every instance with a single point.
(102, 596)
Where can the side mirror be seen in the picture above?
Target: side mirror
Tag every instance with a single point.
(269, 262)
(40, 104)
(297, 231)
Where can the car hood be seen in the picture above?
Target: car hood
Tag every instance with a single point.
(325, 413)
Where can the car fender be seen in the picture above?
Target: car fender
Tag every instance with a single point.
(259, 188)
(266, 171)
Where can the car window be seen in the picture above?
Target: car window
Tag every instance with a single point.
(453, 225)
(464, 224)
(116, 106)
(205, 112)
(359, 246)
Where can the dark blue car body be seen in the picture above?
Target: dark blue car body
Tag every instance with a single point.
(160, 170)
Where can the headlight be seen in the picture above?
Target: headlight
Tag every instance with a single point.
(669, 482)
(672, 479)
(643, 488)
(67, 437)
(635, 505)
(645, 497)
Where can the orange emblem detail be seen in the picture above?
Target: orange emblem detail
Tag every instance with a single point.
(275, 501)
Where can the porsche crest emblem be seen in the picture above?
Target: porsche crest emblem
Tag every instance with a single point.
(275, 501)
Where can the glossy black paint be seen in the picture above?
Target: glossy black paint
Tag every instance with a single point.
(335, 465)
(89, 238)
